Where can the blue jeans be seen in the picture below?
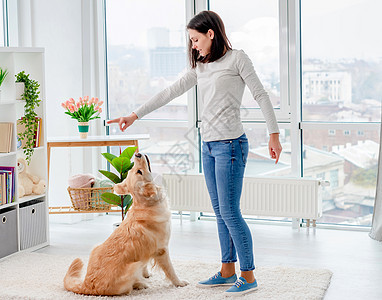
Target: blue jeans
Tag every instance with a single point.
(223, 165)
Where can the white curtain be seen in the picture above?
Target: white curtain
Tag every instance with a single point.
(376, 228)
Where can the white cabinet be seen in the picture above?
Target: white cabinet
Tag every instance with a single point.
(28, 214)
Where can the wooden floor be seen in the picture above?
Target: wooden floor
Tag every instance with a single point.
(353, 257)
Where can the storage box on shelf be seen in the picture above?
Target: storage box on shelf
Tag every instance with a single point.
(8, 231)
(32, 223)
(23, 221)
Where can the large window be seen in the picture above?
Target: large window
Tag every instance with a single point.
(341, 82)
(341, 75)
(141, 62)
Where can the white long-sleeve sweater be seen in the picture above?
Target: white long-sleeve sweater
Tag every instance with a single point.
(220, 86)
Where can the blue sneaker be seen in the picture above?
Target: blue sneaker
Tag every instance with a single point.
(217, 280)
(241, 287)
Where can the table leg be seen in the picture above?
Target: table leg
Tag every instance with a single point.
(48, 153)
(136, 144)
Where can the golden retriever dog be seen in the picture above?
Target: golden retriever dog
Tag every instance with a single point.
(119, 264)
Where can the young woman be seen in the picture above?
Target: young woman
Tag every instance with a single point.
(221, 74)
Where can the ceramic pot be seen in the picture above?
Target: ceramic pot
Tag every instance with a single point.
(83, 128)
(20, 88)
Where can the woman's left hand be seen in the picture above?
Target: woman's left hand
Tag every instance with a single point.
(274, 146)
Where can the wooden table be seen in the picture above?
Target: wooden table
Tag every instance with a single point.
(92, 141)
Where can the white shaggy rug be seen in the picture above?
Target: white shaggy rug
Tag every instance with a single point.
(40, 276)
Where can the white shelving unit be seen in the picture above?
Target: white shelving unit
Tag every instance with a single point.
(24, 223)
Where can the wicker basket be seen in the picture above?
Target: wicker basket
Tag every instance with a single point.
(89, 198)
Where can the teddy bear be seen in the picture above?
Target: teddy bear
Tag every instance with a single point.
(27, 183)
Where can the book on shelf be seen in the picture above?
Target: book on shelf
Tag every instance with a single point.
(1, 192)
(7, 178)
(2, 189)
(37, 133)
(20, 129)
(5, 137)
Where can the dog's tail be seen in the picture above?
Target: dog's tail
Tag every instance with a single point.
(72, 280)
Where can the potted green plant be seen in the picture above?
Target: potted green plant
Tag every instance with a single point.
(29, 120)
(122, 164)
(83, 111)
(3, 74)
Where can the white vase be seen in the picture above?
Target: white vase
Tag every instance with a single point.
(20, 88)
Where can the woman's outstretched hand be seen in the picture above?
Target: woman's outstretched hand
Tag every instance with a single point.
(124, 122)
(274, 146)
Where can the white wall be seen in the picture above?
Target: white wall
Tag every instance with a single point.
(71, 70)
(57, 28)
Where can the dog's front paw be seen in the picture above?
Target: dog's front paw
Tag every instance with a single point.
(140, 285)
(146, 273)
(181, 283)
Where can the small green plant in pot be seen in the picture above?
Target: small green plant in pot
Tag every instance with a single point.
(30, 96)
(122, 164)
(3, 74)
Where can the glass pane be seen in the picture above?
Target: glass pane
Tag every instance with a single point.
(342, 66)
(348, 159)
(253, 25)
(259, 162)
(146, 51)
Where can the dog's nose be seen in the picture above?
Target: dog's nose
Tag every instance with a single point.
(138, 155)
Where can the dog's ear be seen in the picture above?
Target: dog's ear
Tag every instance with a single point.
(148, 190)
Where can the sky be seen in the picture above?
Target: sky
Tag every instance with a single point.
(341, 29)
(129, 20)
(331, 29)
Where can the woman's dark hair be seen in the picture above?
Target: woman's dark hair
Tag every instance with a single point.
(202, 22)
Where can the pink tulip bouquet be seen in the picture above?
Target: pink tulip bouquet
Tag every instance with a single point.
(83, 110)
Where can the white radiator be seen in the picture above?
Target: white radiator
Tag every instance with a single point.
(261, 196)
